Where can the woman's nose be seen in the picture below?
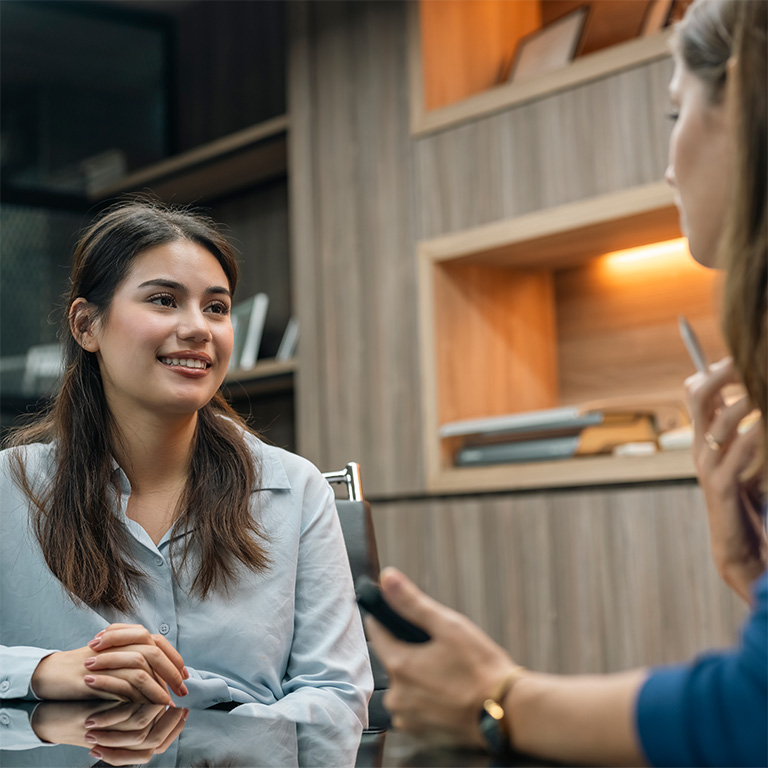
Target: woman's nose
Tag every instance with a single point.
(193, 325)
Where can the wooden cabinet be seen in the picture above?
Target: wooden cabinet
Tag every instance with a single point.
(557, 308)
(461, 53)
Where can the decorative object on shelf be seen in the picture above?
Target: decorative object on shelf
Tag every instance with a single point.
(551, 47)
(288, 343)
(248, 325)
(657, 16)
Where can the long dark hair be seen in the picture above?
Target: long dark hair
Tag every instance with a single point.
(84, 542)
(713, 33)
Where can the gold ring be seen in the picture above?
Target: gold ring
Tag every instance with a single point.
(711, 442)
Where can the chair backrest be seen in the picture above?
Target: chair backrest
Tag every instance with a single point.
(360, 540)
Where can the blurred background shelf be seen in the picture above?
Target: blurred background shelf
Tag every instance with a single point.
(266, 377)
(227, 165)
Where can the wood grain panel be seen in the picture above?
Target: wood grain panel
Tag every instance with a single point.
(617, 326)
(571, 582)
(594, 139)
(466, 43)
(496, 343)
(355, 274)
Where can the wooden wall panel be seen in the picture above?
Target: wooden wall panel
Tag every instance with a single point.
(353, 240)
(593, 139)
(571, 581)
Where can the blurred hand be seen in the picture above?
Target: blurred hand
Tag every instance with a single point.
(440, 684)
(118, 733)
(123, 662)
(722, 454)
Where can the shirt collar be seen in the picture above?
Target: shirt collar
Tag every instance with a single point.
(273, 474)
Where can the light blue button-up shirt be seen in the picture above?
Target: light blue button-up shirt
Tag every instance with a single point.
(287, 642)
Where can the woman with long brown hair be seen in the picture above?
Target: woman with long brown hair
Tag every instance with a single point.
(148, 540)
(714, 709)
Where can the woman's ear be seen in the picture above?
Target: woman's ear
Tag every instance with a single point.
(82, 326)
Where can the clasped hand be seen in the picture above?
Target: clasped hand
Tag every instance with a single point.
(123, 662)
(117, 733)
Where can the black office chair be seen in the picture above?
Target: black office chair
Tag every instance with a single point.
(357, 526)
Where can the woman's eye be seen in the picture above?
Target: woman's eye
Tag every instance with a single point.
(163, 300)
(673, 115)
(218, 308)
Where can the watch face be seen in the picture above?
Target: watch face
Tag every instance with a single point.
(493, 734)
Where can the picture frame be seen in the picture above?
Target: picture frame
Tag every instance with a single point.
(657, 16)
(552, 47)
(248, 326)
(289, 342)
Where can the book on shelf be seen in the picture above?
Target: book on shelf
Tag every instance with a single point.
(248, 326)
(589, 440)
(667, 413)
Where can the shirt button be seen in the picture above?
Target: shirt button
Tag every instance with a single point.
(4, 686)
(160, 561)
(164, 629)
(4, 719)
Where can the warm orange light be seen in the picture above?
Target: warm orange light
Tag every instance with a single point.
(647, 254)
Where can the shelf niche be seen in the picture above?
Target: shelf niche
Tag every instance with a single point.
(461, 53)
(539, 312)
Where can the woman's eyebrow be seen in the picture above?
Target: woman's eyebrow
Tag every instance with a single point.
(181, 288)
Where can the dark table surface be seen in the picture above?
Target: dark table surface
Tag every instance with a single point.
(211, 739)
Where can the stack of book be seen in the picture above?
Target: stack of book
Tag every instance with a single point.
(558, 433)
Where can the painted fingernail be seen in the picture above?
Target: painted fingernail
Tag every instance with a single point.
(186, 673)
(184, 690)
(90, 738)
(95, 643)
(90, 723)
(89, 679)
(95, 753)
(90, 662)
(99, 634)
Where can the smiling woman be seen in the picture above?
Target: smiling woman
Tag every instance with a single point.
(140, 489)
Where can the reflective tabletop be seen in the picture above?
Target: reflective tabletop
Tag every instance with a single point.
(62, 734)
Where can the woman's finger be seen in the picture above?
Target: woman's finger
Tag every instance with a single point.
(175, 731)
(121, 756)
(703, 390)
(725, 423)
(157, 735)
(131, 716)
(147, 657)
(130, 685)
(167, 728)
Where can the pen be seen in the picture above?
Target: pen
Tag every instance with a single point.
(692, 345)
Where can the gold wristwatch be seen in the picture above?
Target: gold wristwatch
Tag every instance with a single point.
(494, 724)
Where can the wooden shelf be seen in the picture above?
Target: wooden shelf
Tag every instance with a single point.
(224, 166)
(597, 470)
(494, 98)
(268, 376)
(537, 312)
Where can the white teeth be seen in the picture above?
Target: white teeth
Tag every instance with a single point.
(184, 362)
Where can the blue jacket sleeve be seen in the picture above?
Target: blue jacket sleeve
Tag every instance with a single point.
(714, 710)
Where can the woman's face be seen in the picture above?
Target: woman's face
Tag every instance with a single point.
(701, 162)
(164, 345)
